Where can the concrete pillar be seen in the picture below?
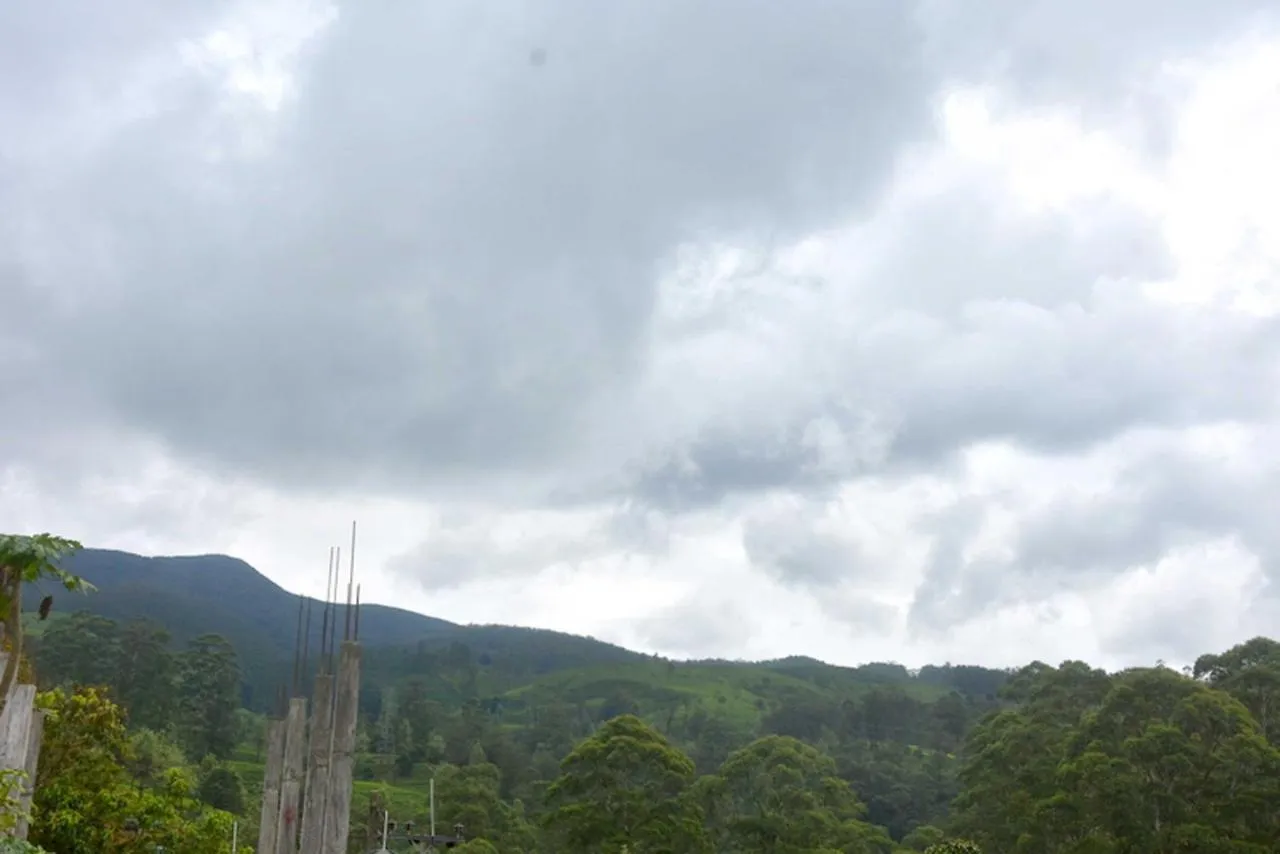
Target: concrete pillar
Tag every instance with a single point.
(16, 725)
(337, 818)
(271, 788)
(317, 790)
(295, 752)
(34, 741)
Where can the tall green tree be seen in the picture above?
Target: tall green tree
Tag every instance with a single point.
(146, 674)
(1250, 672)
(1157, 763)
(625, 788)
(1165, 764)
(781, 796)
(470, 796)
(208, 697)
(1011, 759)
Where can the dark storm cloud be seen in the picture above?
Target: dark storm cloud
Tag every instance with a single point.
(445, 253)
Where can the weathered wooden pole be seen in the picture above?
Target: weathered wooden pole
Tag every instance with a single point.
(295, 752)
(271, 787)
(337, 818)
(317, 788)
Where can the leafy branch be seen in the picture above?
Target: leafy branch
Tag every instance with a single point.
(27, 559)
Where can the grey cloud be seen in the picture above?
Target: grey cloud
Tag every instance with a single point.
(1178, 631)
(786, 544)
(963, 247)
(444, 254)
(433, 269)
(966, 327)
(465, 551)
(470, 545)
(1161, 501)
(1158, 504)
(787, 540)
(860, 614)
(444, 259)
(953, 588)
(1088, 53)
(1062, 381)
(62, 56)
(702, 625)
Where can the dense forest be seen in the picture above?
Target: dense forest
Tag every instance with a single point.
(542, 742)
(787, 756)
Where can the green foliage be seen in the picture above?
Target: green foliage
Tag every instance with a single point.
(208, 697)
(220, 788)
(32, 558)
(12, 845)
(476, 846)
(150, 755)
(12, 783)
(779, 794)
(86, 800)
(1146, 760)
(26, 560)
(625, 786)
(959, 846)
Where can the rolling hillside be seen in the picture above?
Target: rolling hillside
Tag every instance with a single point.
(511, 666)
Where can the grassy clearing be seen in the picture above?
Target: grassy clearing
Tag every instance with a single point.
(742, 693)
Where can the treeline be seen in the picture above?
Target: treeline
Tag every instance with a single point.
(192, 694)
(1079, 761)
(1059, 760)
(895, 749)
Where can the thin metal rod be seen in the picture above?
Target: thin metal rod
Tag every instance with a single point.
(351, 580)
(333, 622)
(324, 623)
(306, 640)
(297, 646)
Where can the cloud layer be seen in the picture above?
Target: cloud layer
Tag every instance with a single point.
(908, 320)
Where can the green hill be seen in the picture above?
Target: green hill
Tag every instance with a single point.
(505, 666)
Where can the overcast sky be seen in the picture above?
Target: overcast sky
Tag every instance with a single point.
(862, 329)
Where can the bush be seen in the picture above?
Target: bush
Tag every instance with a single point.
(10, 845)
